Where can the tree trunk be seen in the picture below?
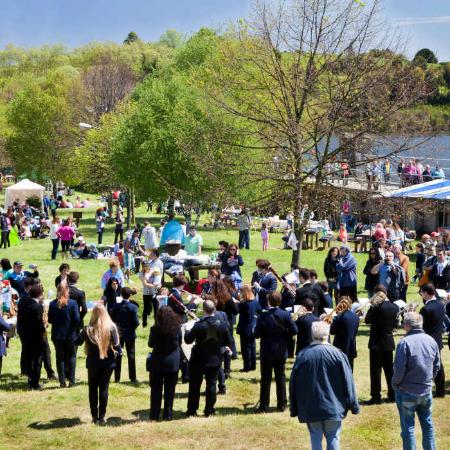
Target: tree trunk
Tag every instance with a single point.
(133, 217)
(170, 206)
(128, 210)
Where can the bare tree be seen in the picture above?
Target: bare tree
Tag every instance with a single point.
(298, 77)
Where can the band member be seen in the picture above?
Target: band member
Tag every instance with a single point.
(433, 314)
(275, 327)
(382, 318)
(78, 295)
(313, 292)
(64, 316)
(210, 336)
(304, 323)
(101, 339)
(267, 283)
(125, 316)
(165, 339)
(345, 327)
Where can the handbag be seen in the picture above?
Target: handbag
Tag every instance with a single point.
(148, 361)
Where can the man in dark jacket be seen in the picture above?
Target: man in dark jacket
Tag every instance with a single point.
(382, 318)
(275, 327)
(212, 338)
(322, 388)
(313, 292)
(304, 323)
(433, 314)
(267, 283)
(345, 327)
(440, 272)
(125, 316)
(78, 295)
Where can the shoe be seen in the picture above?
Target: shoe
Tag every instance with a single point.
(191, 414)
(62, 385)
(227, 375)
(52, 377)
(261, 411)
(95, 420)
(439, 395)
(72, 384)
(373, 401)
(144, 325)
(221, 392)
(102, 421)
(134, 381)
(210, 413)
(281, 408)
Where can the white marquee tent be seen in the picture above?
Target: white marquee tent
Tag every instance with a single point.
(22, 190)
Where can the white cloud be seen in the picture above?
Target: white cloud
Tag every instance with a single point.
(405, 21)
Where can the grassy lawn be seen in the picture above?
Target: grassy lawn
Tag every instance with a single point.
(60, 418)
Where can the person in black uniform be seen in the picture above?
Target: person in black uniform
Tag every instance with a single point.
(382, 318)
(308, 290)
(304, 323)
(64, 316)
(266, 284)
(275, 327)
(433, 314)
(440, 272)
(31, 330)
(165, 339)
(211, 337)
(125, 316)
(102, 345)
(78, 295)
(345, 327)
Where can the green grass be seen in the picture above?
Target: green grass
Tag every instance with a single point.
(57, 418)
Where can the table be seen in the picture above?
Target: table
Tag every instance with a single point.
(194, 270)
(361, 239)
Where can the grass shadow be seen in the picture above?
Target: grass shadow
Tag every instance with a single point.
(10, 382)
(65, 422)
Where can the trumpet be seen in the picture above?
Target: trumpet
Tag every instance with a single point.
(286, 285)
(344, 305)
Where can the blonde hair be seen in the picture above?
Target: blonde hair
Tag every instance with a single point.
(114, 263)
(100, 329)
(247, 293)
(62, 295)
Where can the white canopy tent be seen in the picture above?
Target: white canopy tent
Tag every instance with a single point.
(22, 190)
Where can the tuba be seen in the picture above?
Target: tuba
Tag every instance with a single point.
(301, 311)
(344, 304)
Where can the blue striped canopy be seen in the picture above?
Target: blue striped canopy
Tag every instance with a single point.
(436, 189)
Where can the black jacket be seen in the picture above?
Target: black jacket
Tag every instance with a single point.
(382, 320)
(125, 316)
(211, 335)
(304, 337)
(440, 281)
(80, 297)
(268, 284)
(433, 314)
(371, 279)
(345, 327)
(329, 269)
(30, 324)
(166, 351)
(315, 293)
(275, 327)
(64, 320)
(248, 313)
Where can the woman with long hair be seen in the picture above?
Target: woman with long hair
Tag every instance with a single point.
(66, 234)
(64, 315)
(101, 340)
(329, 269)
(371, 279)
(54, 226)
(165, 339)
(248, 310)
(111, 292)
(231, 262)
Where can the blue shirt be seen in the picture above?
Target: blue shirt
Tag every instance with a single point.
(416, 363)
(321, 386)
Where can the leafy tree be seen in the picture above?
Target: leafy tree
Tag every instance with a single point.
(446, 73)
(427, 55)
(171, 38)
(131, 37)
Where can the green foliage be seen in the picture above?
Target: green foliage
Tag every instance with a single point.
(172, 38)
(34, 201)
(426, 54)
(131, 37)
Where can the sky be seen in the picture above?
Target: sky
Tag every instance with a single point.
(31, 23)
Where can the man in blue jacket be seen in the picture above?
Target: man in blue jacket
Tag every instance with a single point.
(416, 364)
(125, 316)
(346, 269)
(266, 284)
(276, 328)
(323, 403)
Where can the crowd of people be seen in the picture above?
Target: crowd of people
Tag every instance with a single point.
(197, 343)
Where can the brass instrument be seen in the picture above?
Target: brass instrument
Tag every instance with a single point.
(301, 311)
(191, 314)
(344, 305)
(286, 285)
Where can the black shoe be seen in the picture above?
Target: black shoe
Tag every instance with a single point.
(440, 395)
(210, 413)
(227, 375)
(72, 384)
(144, 325)
(261, 411)
(191, 414)
(373, 401)
(281, 408)
(221, 392)
(62, 385)
(101, 421)
(95, 420)
(52, 377)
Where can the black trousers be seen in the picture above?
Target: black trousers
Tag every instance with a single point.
(118, 232)
(130, 346)
(248, 350)
(439, 381)
(1, 362)
(150, 302)
(380, 360)
(98, 380)
(196, 374)
(99, 237)
(244, 239)
(66, 359)
(350, 291)
(55, 245)
(33, 355)
(5, 239)
(23, 359)
(158, 381)
(266, 380)
(65, 245)
(47, 358)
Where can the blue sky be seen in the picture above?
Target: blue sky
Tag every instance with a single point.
(32, 23)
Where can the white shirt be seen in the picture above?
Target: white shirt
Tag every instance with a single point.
(150, 239)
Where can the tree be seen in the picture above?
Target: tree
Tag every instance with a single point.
(303, 100)
(171, 38)
(131, 37)
(427, 55)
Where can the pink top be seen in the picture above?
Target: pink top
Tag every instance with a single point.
(65, 233)
(265, 234)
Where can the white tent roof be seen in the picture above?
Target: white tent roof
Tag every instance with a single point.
(23, 190)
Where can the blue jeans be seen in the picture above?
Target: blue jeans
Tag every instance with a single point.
(329, 428)
(408, 405)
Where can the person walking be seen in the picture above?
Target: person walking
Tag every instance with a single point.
(323, 402)
(5, 227)
(165, 339)
(100, 216)
(118, 230)
(54, 226)
(416, 364)
(64, 316)
(65, 234)
(102, 344)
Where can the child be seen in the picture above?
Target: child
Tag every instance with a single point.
(265, 237)
(343, 233)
